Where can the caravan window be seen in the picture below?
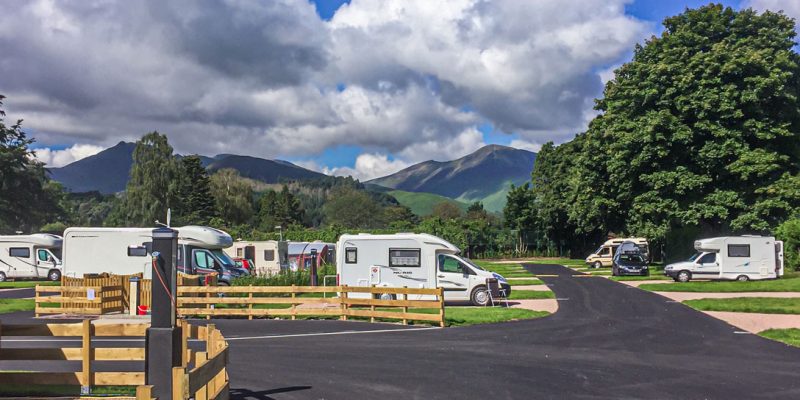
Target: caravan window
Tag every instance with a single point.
(738, 250)
(43, 255)
(708, 258)
(137, 251)
(404, 257)
(20, 252)
(269, 255)
(240, 252)
(351, 255)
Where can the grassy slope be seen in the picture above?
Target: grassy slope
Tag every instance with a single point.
(790, 284)
(788, 336)
(766, 305)
(422, 203)
(12, 305)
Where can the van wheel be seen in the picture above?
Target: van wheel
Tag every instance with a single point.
(2, 277)
(684, 276)
(384, 296)
(480, 296)
(597, 265)
(54, 275)
(742, 278)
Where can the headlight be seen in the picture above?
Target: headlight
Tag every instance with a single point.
(668, 268)
(498, 277)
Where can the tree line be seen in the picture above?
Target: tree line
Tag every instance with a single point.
(698, 135)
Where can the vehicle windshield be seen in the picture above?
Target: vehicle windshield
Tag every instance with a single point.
(599, 249)
(224, 259)
(694, 256)
(471, 263)
(631, 258)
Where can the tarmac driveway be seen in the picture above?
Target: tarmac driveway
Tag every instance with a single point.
(607, 340)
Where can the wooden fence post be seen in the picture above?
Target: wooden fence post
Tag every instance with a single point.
(294, 306)
(86, 357)
(250, 303)
(186, 331)
(180, 388)
(36, 302)
(405, 307)
(144, 392)
(372, 306)
(208, 305)
(441, 307)
(201, 394)
(343, 300)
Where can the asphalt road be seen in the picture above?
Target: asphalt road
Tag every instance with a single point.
(17, 293)
(607, 341)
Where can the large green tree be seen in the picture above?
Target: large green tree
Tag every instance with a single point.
(279, 208)
(351, 208)
(153, 184)
(27, 198)
(196, 204)
(233, 195)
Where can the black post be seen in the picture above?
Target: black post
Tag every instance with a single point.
(313, 267)
(163, 340)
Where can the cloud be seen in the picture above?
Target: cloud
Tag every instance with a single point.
(408, 80)
(521, 144)
(369, 166)
(60, 158)
(789, 7)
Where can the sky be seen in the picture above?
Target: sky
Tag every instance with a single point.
(359, 87)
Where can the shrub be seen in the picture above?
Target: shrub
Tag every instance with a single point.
(789, 232)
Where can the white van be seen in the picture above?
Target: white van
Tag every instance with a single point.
(739, 258)
(126, 251)
(30, 256)
(604, 255)
(264, 255)
(414, 261)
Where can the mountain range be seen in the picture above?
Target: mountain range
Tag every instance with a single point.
(484, 175)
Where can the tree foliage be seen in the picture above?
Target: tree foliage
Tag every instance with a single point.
(699, 132)
(27, 198)
(154, 182)
(279, 208)
(196, 205)
(233, 195)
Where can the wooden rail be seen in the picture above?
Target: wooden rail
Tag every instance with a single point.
(203, 375)
(83, 300)
(288, 301)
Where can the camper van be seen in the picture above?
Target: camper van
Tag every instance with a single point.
(604, 255)
(127, 251)
(266, 256)
(739, 258)
(414, 261)
(30, 256)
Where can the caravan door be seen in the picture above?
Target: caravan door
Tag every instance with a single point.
(453, 277)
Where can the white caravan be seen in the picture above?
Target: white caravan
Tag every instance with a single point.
(30, 256)
(739, 258)
(263, 254)
(126, 251)
(414, 261)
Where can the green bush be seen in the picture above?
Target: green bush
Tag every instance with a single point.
(286, 278)
(789, 232)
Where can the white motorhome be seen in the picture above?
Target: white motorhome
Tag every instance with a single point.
(604, 255)
(264, 255)
(127, 251)
(30, 256)
(414, 261)
(739, 258)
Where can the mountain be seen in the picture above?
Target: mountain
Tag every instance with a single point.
(484, 175)
(108, 171)
(105, 172)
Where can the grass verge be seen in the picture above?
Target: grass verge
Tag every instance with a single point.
(788, 336)
(462, 316)
(766, 305)
(65, 390)
(641, 278)
(13, 305)
(531, 295)
(775, 285)
(27, 284)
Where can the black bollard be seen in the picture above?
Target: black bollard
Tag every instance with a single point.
(163, 340)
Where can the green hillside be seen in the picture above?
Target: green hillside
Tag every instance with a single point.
(494, 202)
(422, 203)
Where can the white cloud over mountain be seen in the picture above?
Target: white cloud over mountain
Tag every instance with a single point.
(410, 79)
(60, 158)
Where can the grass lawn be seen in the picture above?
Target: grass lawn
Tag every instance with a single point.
(461, 316)
(652, 277)
(767, 305)
(27, 284)
(788, 336)
(12, 305)
(65, 390)
(530, 294)
(791, 284)
(603, 272)
(520, 282)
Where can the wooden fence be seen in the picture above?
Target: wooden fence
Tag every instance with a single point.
(203, 375)
(294, 301)
(83, 300)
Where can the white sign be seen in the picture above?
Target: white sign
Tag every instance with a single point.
(90, 294)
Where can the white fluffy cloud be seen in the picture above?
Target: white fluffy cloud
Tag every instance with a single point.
(60, 158)
(790, 7)
(369, 166)
(410, 79)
